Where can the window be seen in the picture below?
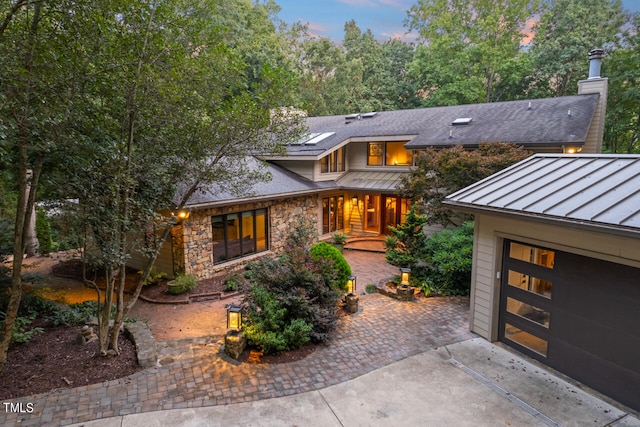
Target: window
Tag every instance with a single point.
(239, 234)
(388, 154)
(334, 162)
(332, 214)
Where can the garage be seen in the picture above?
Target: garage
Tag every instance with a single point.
(577, 314)
(556, 265)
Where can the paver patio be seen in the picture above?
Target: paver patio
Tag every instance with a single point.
(199, 374)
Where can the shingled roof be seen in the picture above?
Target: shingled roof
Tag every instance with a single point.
(532, 123)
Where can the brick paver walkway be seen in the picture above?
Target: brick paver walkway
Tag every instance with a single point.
(197, 373)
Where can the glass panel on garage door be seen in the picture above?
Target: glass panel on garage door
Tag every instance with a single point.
(526, 298)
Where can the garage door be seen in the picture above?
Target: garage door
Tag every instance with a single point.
(577, 314)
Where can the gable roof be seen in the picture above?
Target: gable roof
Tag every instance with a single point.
(533, 123)
(596, 190)
(283, 183)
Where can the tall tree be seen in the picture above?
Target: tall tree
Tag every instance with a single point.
(567, 30)
(622, 131)
(172, 108)
(467, 47)
(37, 52)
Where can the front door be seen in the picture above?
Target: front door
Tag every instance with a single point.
(394, 211)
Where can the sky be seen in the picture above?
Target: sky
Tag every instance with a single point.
(385, 18)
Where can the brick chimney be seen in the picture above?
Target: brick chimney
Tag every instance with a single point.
(599, 85)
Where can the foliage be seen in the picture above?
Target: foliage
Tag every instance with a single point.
(449, 255)
(406, 245)
(271, 329)
(43, 232)
(325, 250)
(154, 276)
(77, 314)
(339, 238)
(622, 130)
(181, 284)
(469, 47)
(33, 304)
(21, 331)
(233, 282)
(442, 172)
(292, 299)
(567, 30)
(370, 288)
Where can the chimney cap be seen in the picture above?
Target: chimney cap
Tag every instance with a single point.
(596, 53)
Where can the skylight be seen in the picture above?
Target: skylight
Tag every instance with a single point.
(313, 138)
(462, 121)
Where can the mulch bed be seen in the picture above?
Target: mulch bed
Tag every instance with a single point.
(53, 360)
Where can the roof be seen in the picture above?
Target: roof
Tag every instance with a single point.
(592, 190)
(283, 183)
(538, 122)
(370, 180)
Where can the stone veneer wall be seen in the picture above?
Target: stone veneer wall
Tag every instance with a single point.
(197, 237)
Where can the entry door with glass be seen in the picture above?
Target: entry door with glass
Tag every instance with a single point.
(526, 298)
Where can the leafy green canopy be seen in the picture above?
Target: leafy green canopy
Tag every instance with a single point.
(439, 172)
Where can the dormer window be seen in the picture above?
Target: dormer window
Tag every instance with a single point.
(334, 162)
(388, 154)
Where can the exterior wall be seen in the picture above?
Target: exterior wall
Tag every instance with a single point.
(595, 134)
(197, 244)
(164, 263)
(487, 257)
(304, 168)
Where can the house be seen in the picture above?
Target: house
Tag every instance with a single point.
(344, 173)
(556, 265)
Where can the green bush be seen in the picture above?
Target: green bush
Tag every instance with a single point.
(76, 314)
(406, 245)
(293, 299)
(339, 238)
(43, 232)
(233, 282)
(21, 332)
(325, 250)
(449, 254)
(181, 284)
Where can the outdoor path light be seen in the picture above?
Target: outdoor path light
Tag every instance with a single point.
(234, 317)
(405, 274)
(351, 285)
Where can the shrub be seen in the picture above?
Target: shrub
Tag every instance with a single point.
(407, 244)
(233, 282)
(43, 232)
(76, 314)
(154, 276)
(325, 250)
(21, 332)
(339, 238)
(181, 284)
(291, 300)
(449, 254)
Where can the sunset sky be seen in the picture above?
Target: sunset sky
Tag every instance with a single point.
(385, 18)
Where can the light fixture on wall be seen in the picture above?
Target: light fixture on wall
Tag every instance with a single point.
(354, 200)
(183, 215)
(571, 150)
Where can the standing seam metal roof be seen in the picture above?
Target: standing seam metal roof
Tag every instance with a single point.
(593, 189)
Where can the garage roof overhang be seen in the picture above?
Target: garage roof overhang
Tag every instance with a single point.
(597, 192)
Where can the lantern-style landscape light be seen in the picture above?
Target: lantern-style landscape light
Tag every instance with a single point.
(405, 274)
(234, 317)
(351, 285)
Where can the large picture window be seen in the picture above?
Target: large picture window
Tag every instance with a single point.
(334, 162)
(388, 154)
(239, 234)
(332, 214)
